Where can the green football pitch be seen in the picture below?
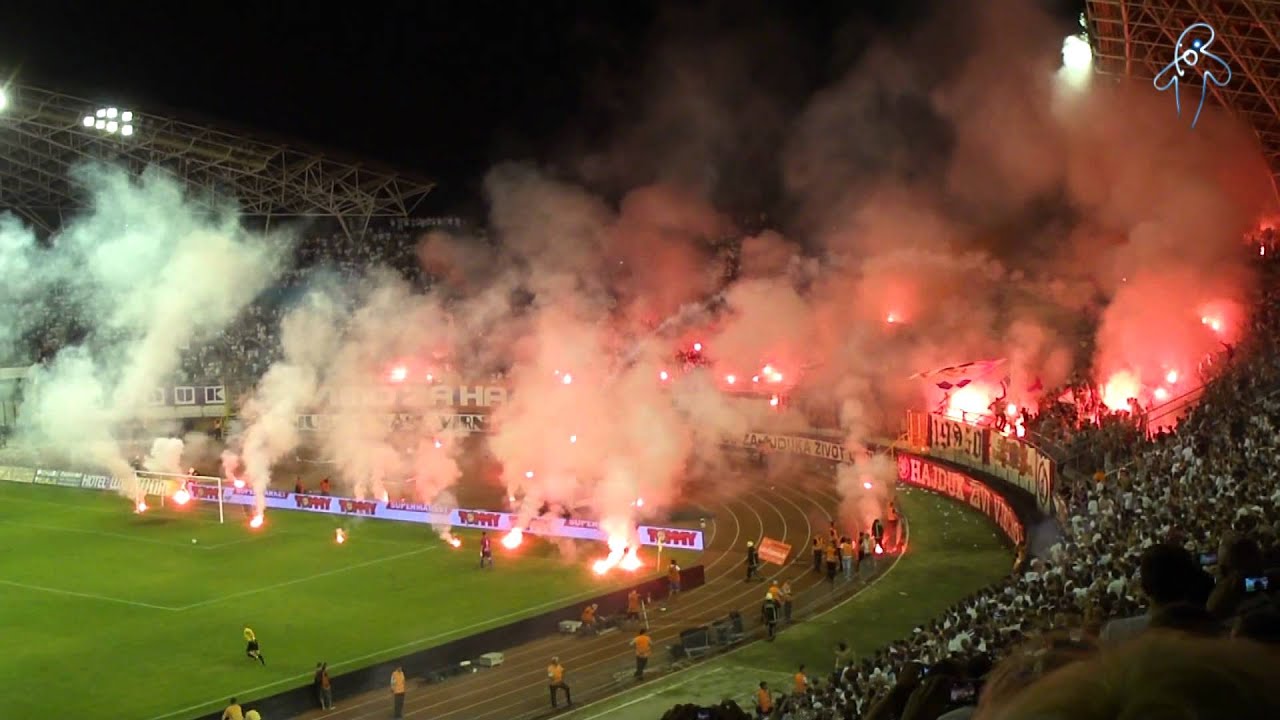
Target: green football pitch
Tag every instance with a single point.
(108, 614)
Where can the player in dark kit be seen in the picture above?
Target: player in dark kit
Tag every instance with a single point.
(486, 550)
(251, 645)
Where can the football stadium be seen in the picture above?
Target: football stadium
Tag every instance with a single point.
(982, 425)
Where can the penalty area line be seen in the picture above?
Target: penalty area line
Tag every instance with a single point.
(87, 596)
(317, 576)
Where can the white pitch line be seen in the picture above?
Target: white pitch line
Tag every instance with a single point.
(491, 622)
(87, 596)
(98, 533)
(308, 578)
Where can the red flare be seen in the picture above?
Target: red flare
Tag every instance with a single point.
(1171, 377)
(513, 539)
(451, 539)
(140, 507)
(568, 379)
(866, 486)
(386, 497)
(730, 379)
(256, 522)
(697, 347)
(631, 561)
(879, 549)
(773, 401)
(181, 496)
(663, 376)
(399, 373)
(339, 536)
(617, 551)
(238, 483)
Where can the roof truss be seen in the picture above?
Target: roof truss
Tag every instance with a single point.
(42, 138)
(1135, 38)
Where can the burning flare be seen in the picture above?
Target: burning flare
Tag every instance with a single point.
(620, 555)
(140, 506)
(181, 496)
(339, 535)
(256, 522)
(452, 539)
(513, 539)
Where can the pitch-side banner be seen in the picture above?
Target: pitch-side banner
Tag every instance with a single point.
(1008, 458)
(822, 449)
(774, 551)
(431, 515)
(958, 486)
(10, 473)
(430, 423)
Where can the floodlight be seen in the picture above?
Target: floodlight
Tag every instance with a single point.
(111, 121)
(4, 99)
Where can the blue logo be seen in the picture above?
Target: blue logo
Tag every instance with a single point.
(1190, 57)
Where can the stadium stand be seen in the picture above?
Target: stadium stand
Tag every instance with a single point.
(1172, 528)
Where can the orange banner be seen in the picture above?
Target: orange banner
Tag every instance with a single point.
(773, 551)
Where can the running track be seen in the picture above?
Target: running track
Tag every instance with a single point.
(796, 508)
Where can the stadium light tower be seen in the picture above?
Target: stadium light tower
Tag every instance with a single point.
(112, 121)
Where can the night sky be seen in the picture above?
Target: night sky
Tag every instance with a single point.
(443, 89)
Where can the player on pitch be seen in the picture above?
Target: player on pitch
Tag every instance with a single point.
(251, 645)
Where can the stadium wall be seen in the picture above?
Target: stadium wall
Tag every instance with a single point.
(444, 661)
(1010, 508)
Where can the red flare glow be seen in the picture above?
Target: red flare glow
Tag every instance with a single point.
(879, 549)
(452, 539)
(1161, 394)
(386, 497)
(663, 376)
(866, 485)
(513, 539)
(1011, 410)
(773, 401)
(731, 379)
(1171, 377)
(339, 536)
(697, 347)
(181, 496)
(528, 473)
(891, 318)
(631, 561)
(399, 373)
(238, 483)
(617, 551)
(439, 444)
(568, 379)
(970, 402)
(140, 506)
(573, 439)
(256, 522)
(1119, 388)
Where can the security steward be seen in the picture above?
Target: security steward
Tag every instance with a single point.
(555, 681)
(764, 701)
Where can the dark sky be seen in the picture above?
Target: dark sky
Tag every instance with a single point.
(440, 88)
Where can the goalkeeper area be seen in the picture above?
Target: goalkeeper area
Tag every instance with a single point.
(140, 615)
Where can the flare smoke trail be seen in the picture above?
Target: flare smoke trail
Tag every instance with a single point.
(140, 275)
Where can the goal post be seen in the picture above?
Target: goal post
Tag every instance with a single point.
(174, 481)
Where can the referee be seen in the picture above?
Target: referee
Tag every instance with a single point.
(251, 645)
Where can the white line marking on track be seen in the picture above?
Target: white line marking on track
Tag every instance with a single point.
(308, 578)
(87, 596)
(718, 668)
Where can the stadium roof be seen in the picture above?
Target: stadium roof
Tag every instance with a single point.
(44, 134)
(1135, 38)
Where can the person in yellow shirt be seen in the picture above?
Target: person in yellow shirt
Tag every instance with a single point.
(802, 681)
(397, 692)
(642, 644)
(251, 645)
(764, 701)
(555, 680)
(252, 715)
(233, 711)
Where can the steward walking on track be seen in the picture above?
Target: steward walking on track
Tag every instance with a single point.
(642, 645)
(397, 692)
(555, 680)
(486, 550)
(753, 560)
(633, 605)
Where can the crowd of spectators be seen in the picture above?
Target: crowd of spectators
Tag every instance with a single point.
(1172, 527)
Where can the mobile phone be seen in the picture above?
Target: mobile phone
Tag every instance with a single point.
(1207, 559)
(963, 692)
(1256, 584)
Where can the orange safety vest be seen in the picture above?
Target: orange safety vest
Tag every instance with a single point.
(555, 673)
(588, 615)
(802, 683)
(633, 602)
(397, 682)
(642, 646)
(765, 700)
(673, 574)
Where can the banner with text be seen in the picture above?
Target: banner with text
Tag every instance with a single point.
(922, 473)
(774, 551)
(682, 538)
(795, 444)
(995, 453)
(464, 423)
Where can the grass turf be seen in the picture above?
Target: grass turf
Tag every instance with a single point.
(111, 614)
(953, 551)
